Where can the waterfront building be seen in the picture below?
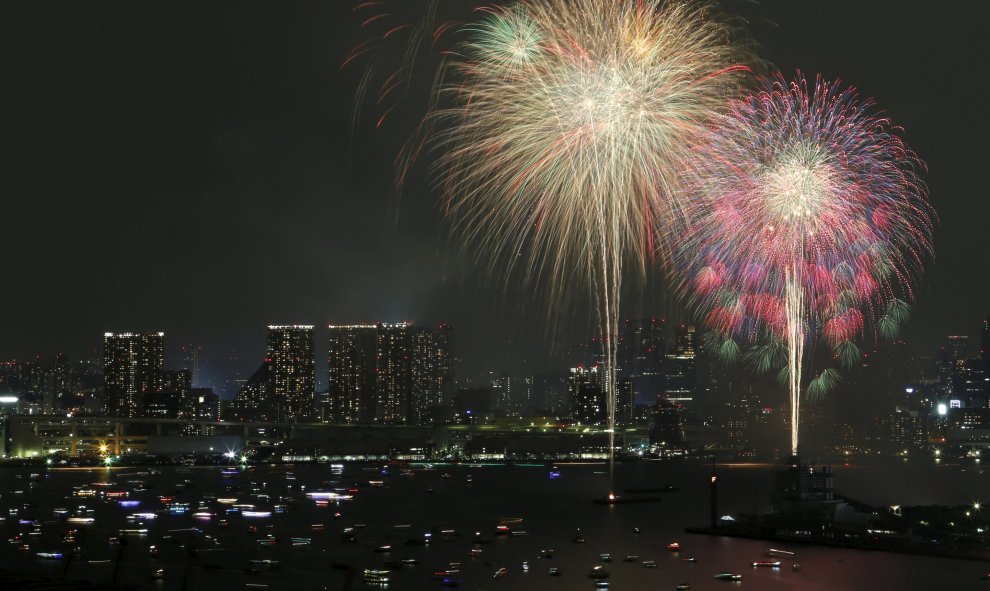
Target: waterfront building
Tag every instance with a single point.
(351, 369)
(292, 372)
(132, 369)
(393, 384)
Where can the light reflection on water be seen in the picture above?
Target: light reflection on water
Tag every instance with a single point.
(552, 511)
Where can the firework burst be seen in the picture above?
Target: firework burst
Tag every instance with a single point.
(563, 130)
(811, 225)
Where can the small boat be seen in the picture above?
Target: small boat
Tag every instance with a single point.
(766, 564)
(410, 561)
(728, 577)
(673, 547)
(546, 553)
(631, 558)
(602, 585)
(691, 559)
(605, 557)
(598, 572)
(375, 576)
(683, 587)
(474, 552)
(384, 549)
(500, 573)
(650, 563)
(781, 553)
(266, 563)
(554, 571)
(158, 574)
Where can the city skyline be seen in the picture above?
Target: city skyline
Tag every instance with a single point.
(247, 162)
(314, 295)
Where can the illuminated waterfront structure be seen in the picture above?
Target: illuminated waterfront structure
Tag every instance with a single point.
(252, 402)
(389, 373)
(429, 372)
(132, 369)
(680, 367)
(393, 384)
(292, 371)
(351, 364)
(587, 390)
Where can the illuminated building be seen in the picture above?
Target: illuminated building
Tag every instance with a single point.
(253, 400)
(387, 372)
(132, 369)
(680, 367)
(587, 390)
(429, 372)
(351, 364)
(189, 361)
(642, 346)
(393, 366)
(292, 371)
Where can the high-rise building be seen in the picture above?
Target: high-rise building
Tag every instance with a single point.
(680, 367)
(429, 372)
(951, 360)
(132, 369)
(387, 372)
(189, 360)
(253, 400)
(985, 341)
(587, 390)
(552, 393)
(393, 383)
(292, 371)
(501, 385)
(351, 364)
(642, 346)
(168, 402)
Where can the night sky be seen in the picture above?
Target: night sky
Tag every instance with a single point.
(194, 167)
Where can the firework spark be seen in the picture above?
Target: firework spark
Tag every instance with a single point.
(810, 224)
(563, 130)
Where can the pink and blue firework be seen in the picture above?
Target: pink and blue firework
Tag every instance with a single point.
(808, 193)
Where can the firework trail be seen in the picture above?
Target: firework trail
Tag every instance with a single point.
(810, 225)
(563, 127)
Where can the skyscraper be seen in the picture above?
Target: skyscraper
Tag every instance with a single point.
(429, 372)
(292, 371)
(351, 364)
(387, 372)
(393, 383)
(985, 341)
(132, 369)
(680, 368)
(253, 400)
(642, 347)
(189, 361)
(587, 390)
